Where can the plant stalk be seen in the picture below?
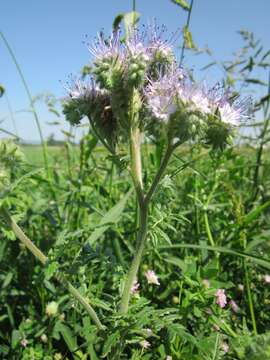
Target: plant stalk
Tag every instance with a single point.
(131, 278)
(143, 202)
(43, 259)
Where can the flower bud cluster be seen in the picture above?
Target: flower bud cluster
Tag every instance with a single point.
(140, 71)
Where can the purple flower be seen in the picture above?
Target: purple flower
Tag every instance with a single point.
(158, 48)
(135, 287)
(234, 306)
(152, 277)
(225, 347)
(229, 109)
(79, 90)
(145, 344)
(161, 95)
(221, 298)
(104, 49)
(24, 342)
(136, 47)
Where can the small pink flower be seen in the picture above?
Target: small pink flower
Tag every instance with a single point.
(145, 344)
(234, 306)
(135, 287)
(152, 277)
(266, 279)
(24, 342)
(225, 347)
(206, 283)
(221, 298)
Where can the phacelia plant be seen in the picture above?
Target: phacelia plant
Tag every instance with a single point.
(136, 90)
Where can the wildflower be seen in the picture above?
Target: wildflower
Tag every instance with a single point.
(234, 306)
(266, 279)
(228, 108)
(44, 338)
(221, 298)
(206, 283)
(145, 344)
(148, 332)
(225, 347)
(160, 50)
(161, 94)
(168, 357)
(135, 287)
(152, 277)
(24, 342)
(107, 49)
(51, 308)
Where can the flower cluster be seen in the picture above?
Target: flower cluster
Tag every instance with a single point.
(140, 71)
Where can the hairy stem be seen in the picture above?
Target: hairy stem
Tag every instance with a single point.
(131, 278)
(43, 259)
(143, 211)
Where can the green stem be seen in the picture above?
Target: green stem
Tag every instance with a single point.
(43, 259)
(131, 278)
(208, 230)
(250, 301)
(143, 210)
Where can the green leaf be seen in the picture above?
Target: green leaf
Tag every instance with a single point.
(68, 336)
(188, 41)
(219, 249)
(253, 214)
(177, 262)
(110, 342)
(7, 280)
(117, 21)
(256, 81)
(130, 20)
(184, 5)
(15, 338)
(111, 217)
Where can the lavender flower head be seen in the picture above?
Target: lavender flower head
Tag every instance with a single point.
(228, 108)
(160, 49)
(107, 49)
(221, 298)
(161, 94)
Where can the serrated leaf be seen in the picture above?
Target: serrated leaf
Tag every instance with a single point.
(109, 343)
(184, 5)
(111, 217)
(68, 336)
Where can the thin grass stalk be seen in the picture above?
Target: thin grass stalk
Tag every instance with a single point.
(32, 106)
(187, 27)
(43, 259)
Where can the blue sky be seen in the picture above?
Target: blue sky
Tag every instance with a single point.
(47, 38)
